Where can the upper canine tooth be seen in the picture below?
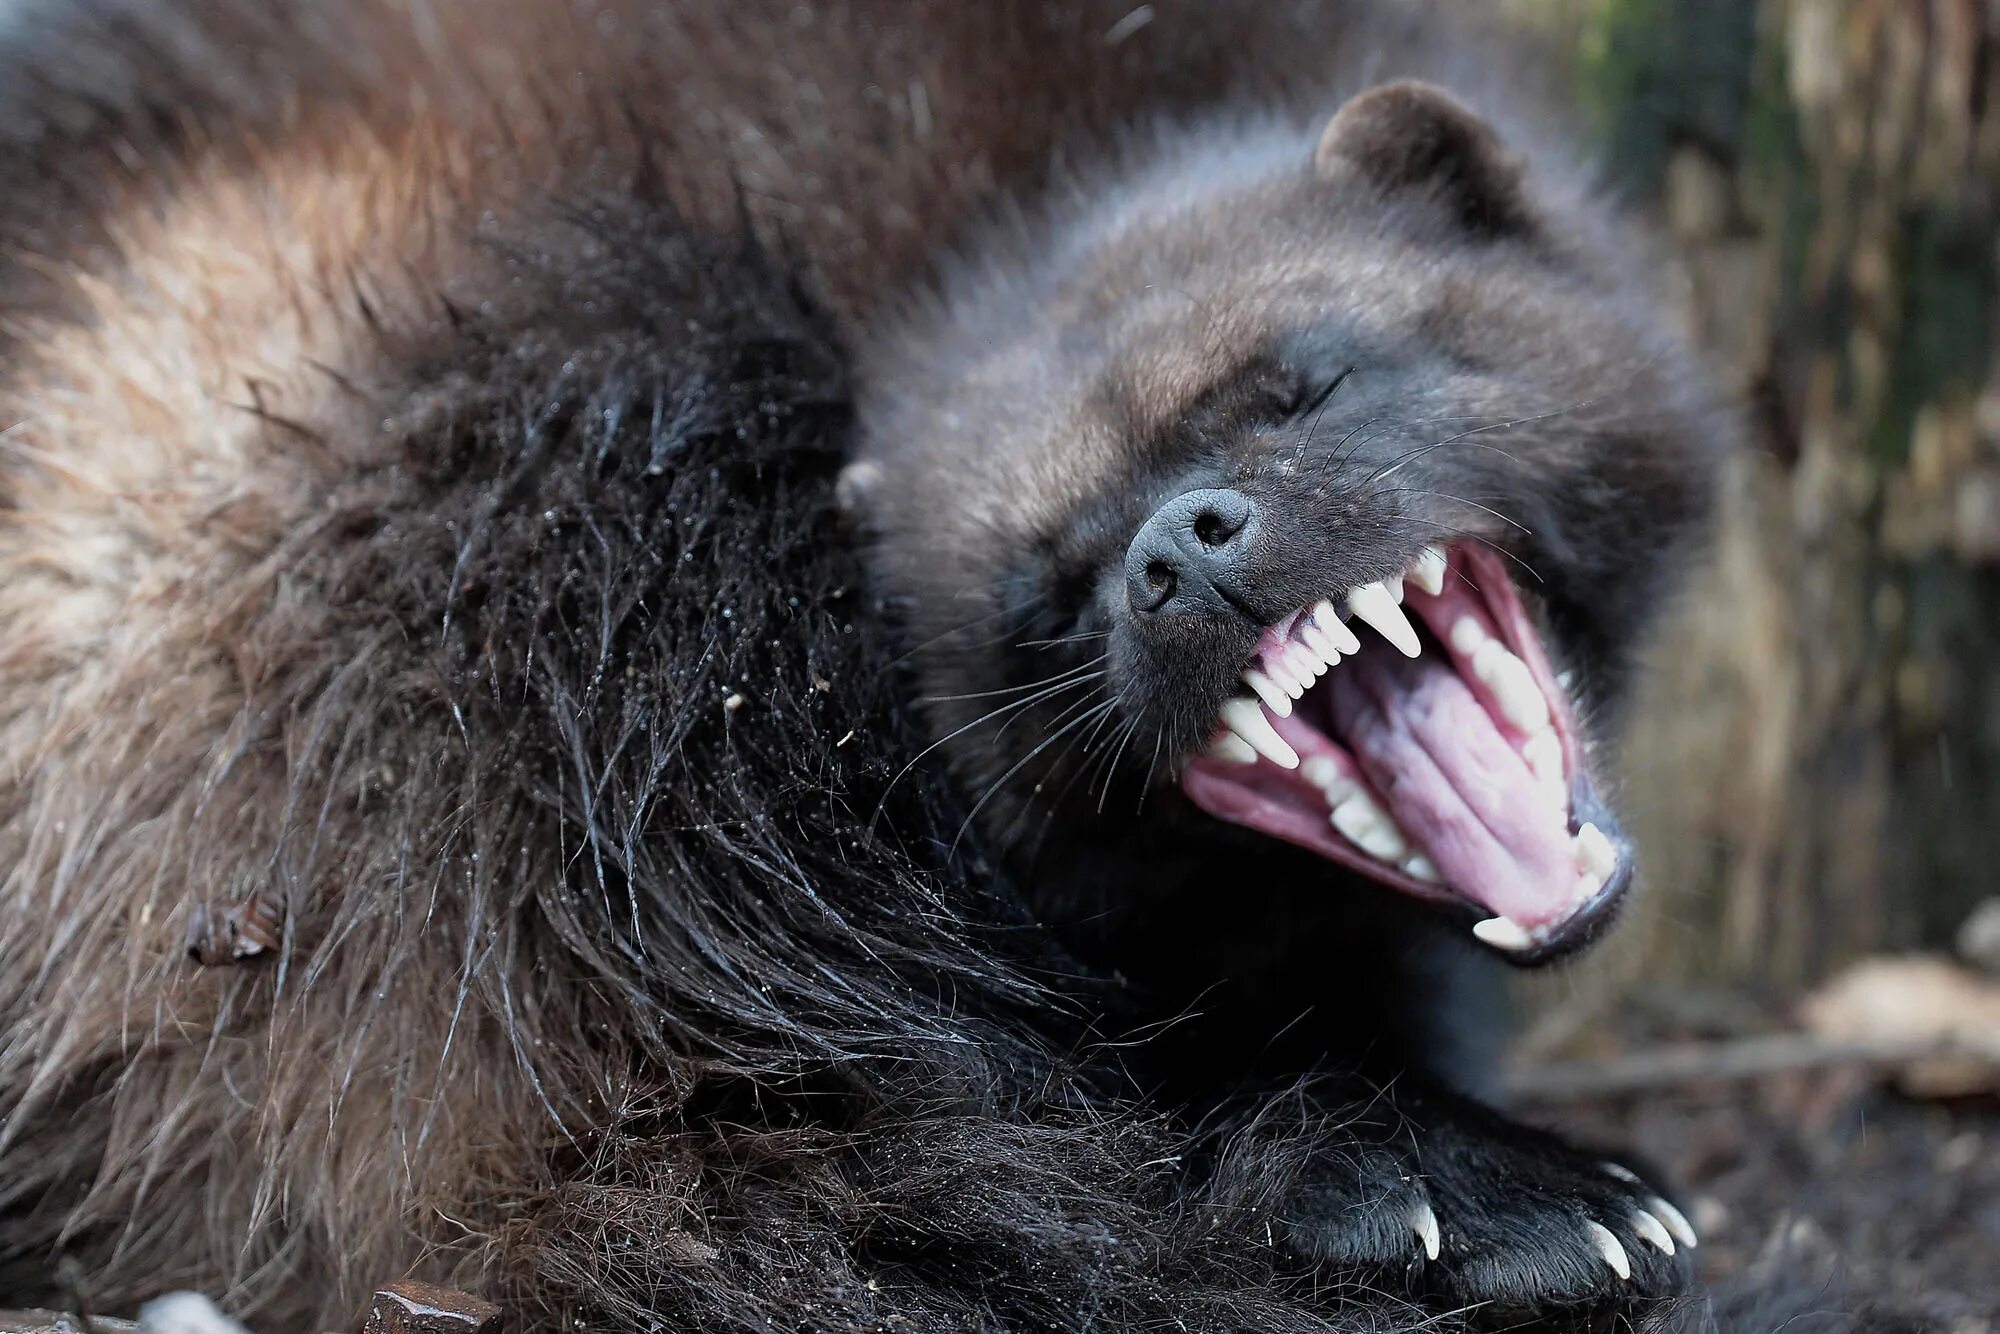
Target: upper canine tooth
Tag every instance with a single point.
(1269, 691)
(1373, 604)
(1513, 685)
(1328, 620)
(1231, 748)
(1245, 717)
(1370, 828)
(1427, 571)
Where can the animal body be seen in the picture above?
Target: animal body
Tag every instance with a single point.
(659, 660)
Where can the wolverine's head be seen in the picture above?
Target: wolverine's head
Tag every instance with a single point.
(1327, 480)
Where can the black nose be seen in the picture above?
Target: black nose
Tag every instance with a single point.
(1192, 555)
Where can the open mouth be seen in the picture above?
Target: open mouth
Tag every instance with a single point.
(1439, 754)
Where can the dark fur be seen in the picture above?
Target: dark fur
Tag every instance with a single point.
(518, 669)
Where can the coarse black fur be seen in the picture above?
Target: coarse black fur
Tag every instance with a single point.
(417, 501)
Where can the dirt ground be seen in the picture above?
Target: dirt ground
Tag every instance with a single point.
(1887, 1206)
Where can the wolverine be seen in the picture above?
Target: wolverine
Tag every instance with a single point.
(861, 664)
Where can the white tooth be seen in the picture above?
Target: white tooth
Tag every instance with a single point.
(1608, 1247)
(1648, 1228)
(1373, 604)
(1306, 664)
(1245, 717)
(1394, 583)
(1370, 828)
(1424, 1222)
(1675, 1220)
(1334, 786)
(1566, 679)
(1513, 686)
(1232, 749)
(1338, 631)
(1544, 754)
(1503, 933)
(1269, 691)
(1421, 868)
(1467, 634)
(1595, 854)
(1427, 570)
(1319, 641)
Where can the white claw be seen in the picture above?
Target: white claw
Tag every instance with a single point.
(1427, 571)
(1649, 1227)
(1268, 690)
(1245, 717)
(1675, 1220)
(1503, 933)
(1424, 1222)
(1370, 828)
(1374, 604)
(1608, 1246)
(1328, 620)
(1232, 749)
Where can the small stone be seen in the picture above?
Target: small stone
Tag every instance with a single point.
(427, 1308)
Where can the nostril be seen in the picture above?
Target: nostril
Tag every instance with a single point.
(1212, 528)
(1161, 582)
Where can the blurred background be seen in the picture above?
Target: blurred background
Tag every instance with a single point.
(1805, 1014)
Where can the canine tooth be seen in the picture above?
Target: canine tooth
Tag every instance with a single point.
(1245, 717)
(1503, 933)
(1595, 854)
(1370, 828)
(1269, 691)
(1675, 1220)
(1650, 1229)
(1373, 604)
(1231, 748)
(1608, 1246)
(1421, 868)
(1467, 634)
(1427, 571)
(1513, 686)
(1338, 631)
(1424, 1222)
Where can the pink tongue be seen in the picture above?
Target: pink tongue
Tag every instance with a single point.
(1455, 785)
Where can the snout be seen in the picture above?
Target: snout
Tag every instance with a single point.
(1193, 557)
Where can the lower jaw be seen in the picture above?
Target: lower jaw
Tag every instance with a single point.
(1356, 806)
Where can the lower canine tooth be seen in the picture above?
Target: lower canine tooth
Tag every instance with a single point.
(1374, 604)
(1231, 748)
(1269, 691)
(1336, 630)
(1503, 933)
(1370, 827)
(1427, 571)
(1245, 717)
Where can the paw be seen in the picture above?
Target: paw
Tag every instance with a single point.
(1478, 1212)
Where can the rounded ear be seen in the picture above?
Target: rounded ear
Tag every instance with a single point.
(854, 491)
(1411, 136)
